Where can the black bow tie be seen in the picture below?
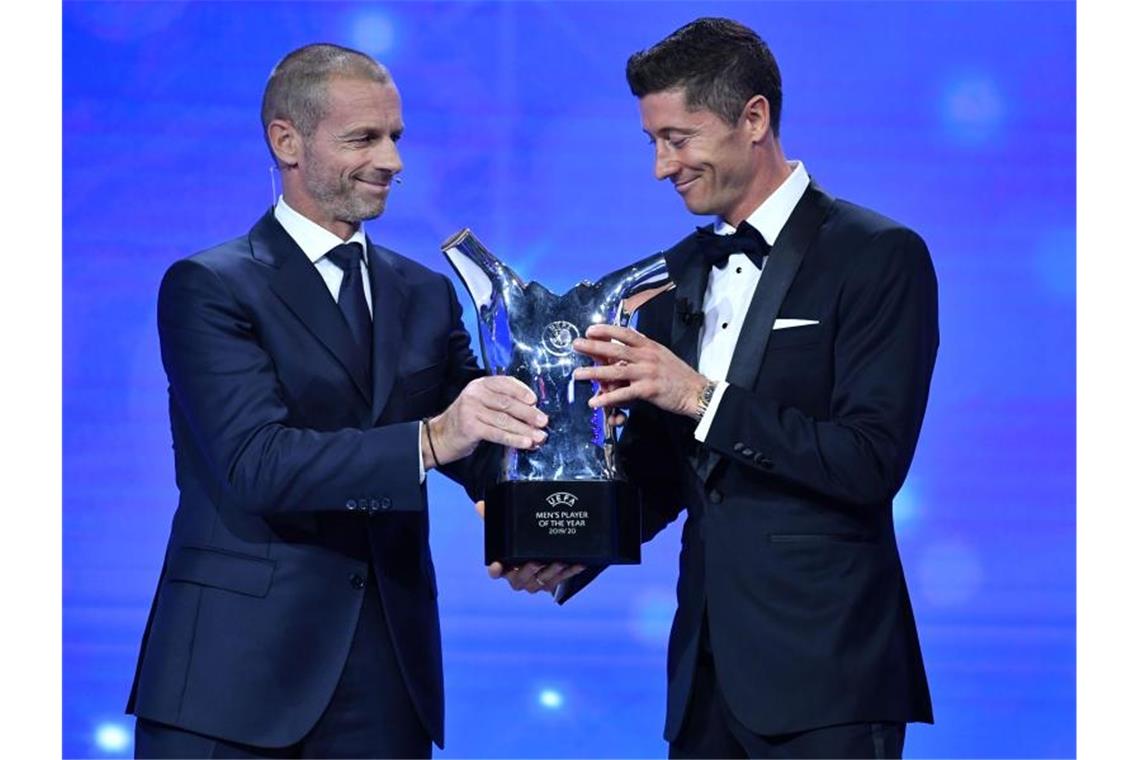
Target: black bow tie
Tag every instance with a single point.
(717, 248)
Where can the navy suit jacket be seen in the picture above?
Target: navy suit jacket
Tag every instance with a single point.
(789, 539)
(297, 479)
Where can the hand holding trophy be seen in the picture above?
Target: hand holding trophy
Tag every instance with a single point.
(564, 503)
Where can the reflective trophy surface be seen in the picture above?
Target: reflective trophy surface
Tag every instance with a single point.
(565, 501)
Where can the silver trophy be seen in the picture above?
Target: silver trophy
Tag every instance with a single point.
(565, 501)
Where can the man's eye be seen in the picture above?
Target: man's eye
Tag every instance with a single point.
(678, 142)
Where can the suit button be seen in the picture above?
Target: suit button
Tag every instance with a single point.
(715, 496)
(373, 505)
(350, 504)
(356, 581)
(738, 447)
(747, 452)
(766, 463)
(385, 503)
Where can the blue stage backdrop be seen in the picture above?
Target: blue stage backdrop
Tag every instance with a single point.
(956, 118)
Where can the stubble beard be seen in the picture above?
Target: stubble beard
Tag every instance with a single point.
(338, 197)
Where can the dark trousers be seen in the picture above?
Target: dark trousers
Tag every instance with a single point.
(370, 715)
(711, 730)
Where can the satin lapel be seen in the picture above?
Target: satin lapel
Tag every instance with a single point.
(783, 263)
(299, 285)
(389, 306)
(686, 268)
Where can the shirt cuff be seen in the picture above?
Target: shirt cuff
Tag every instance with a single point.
(702, 431)
(420, 447)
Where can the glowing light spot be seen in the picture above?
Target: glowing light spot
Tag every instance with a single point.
(551, 699)
(373, 33)
(906, 508)
(973, 110)
(111, 737)
(1056, 262)
(950, 573)
(652, 617)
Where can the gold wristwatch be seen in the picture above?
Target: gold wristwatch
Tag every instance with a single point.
(704, 398)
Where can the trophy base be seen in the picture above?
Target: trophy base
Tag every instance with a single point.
(579, 522)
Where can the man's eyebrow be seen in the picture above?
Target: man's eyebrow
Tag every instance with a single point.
(665, 131)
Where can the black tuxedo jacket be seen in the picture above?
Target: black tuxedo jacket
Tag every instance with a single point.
(789, 541)
(297, 480)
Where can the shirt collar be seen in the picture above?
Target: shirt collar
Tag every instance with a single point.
(311, 237)
(769, 219)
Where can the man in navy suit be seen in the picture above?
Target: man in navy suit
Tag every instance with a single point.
(777, 396)
(314, 378)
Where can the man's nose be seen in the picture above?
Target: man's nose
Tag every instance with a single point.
(386, 157)
(664, 164)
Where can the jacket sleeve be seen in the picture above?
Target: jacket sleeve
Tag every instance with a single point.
(885, 345)
(477, 472)
(224, 392)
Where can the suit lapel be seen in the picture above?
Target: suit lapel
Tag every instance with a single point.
(299, 285)
(389, 304)
(783, 263)
(687, 269)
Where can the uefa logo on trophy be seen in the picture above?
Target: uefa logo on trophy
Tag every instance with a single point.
(565, 501)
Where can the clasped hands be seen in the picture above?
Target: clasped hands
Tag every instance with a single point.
(629, 367)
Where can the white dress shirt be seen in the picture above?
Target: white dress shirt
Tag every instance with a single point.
(315, 241)
(730, 289)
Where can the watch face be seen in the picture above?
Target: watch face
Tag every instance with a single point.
(705, 398)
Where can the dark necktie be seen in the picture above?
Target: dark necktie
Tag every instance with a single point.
(351, 296)
(747, 240)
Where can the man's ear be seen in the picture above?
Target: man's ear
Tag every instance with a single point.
(757, 117)
(285, 142)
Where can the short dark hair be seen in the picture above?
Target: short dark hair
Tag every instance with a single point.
(297, 87)
(720, 63)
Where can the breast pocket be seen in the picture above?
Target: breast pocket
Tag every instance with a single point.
(789, 337)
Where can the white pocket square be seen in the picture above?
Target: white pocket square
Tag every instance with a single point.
(781, 324)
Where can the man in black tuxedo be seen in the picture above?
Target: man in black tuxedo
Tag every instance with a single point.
(314, 378)
(777, 396)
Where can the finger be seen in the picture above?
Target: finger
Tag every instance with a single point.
(495, 569)
(623, 396)
(512, 577)
(529, 415)
(626, 335)
(564, 575)
(509, 440)
(528, 577)
(523, 578)
(480, 508)
(501, 424)
(609, 373)
(509, 386)
(602, 350)
(546, 575)
(617, 419)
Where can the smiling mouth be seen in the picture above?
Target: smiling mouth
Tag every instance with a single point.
(383, 184)
(684, 185)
